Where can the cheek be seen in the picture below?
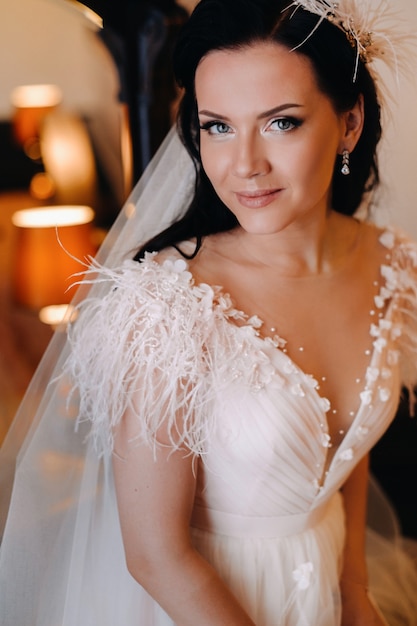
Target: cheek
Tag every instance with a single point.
(317, 164)
(214, 161)
(326, 163)
(206, 158)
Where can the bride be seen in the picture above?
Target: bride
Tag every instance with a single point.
(200, 456)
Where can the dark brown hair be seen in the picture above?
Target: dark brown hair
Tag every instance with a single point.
(233, 24)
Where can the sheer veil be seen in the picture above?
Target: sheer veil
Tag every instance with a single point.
(54, 492)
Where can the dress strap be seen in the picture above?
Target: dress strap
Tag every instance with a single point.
(233, 525)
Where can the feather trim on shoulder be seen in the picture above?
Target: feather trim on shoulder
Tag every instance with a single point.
(400, 276)
(149, 340)
(140, 346)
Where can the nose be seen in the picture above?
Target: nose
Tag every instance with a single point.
(250, 157)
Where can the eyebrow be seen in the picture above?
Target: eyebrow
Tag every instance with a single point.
(269, 113)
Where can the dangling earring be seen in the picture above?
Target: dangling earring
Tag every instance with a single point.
(345, 163)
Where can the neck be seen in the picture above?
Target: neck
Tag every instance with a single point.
(310, 249)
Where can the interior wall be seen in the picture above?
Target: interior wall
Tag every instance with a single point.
(48, 41)
(398, 157)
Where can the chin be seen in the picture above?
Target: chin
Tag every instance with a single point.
(262, 228)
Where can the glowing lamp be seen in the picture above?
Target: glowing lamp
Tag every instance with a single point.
(51, 242)
(57, 315)
(32, 103)
(69, 160)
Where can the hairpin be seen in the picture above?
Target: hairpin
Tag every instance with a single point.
(370, 26)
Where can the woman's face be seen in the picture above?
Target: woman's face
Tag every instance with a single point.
(269, 136)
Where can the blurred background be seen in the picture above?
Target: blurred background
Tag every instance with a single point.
(86, 97)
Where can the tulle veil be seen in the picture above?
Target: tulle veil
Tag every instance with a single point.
(61, 557)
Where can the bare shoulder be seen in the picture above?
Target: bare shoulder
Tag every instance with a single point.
(216, 258)
(372, 243)
(184, 250)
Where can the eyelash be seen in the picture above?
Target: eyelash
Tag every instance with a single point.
(292, 121)
(208, 126)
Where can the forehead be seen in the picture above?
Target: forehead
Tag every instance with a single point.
(261, 71)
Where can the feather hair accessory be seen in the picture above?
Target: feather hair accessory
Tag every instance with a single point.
(371, 27)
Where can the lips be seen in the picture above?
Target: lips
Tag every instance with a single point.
(257, 199)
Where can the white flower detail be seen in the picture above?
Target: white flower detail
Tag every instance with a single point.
(176, 272)
(206, 294)
(387, 239)
(225, 301)
(297, 390)
(396, 332)
(157, 311)
(325, 440)
(386, 293)
(278, 341)
(375, 330)
(325, 404)
(366, 396)
(386, 373)
(362, 431)
(372, 374)
(385, 324)
(289, 367)
(180, 265)
(234, 314)
(346, 455)
(176, 266)
(302, 575)
(384, 394)
(379, 302)
(312, 382)
(255, 321)
(380, 344)
(389, 274)
(393, 357)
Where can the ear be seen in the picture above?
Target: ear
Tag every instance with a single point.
(352, 126)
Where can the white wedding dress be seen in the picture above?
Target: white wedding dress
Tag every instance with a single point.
(268, 512)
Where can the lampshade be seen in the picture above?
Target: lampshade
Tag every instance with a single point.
(31, 104)
(49, 241)
(68, 158)
(57, 315)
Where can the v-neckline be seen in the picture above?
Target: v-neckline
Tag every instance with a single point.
(374, 357)
(250, 323)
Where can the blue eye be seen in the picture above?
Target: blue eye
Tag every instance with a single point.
(215, 128)
(285, 124)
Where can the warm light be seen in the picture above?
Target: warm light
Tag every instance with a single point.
(56, 315)
(126, 149)
(68, 157)
(32, 104)
(52, 244)
(52, 217)
(91, 15)
(31, 96)
(42, 186)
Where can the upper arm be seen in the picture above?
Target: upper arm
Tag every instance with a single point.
(355, 492)
(155, 489)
